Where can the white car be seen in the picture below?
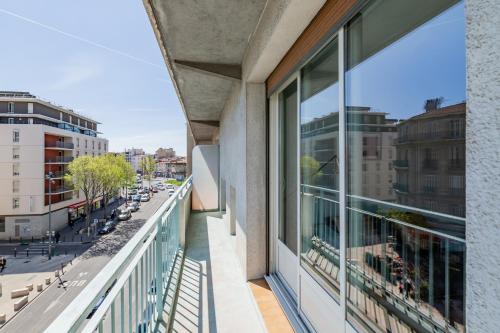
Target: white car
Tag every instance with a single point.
(145, 197)
(171, 191)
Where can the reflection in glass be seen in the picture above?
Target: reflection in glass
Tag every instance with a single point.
(405, 110)
(319, 165)
(288, 164)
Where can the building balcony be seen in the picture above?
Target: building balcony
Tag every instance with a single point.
(59, 145)
(58, 159)
(55, 174)
(429, 189)
(401, 188)
(400, 163)
(156, 284)
(58, 189)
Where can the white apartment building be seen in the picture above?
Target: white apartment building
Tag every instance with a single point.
(37, 137)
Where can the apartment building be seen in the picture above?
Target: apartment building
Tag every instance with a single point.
(38, 138)
(164, 153)
(294, 108)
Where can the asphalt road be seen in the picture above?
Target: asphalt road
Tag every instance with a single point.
(38, 315)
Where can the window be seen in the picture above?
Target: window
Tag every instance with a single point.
(15, 169)
(402, 71)
(15, 203)
(15, 186)
(78, 142)
(10, 107)
(10, 121)
(15, 136)
(93, 144)
(99, 145)
(2, 223)
(319, 160)
(86, 145)
(105, 149)
(15, 153)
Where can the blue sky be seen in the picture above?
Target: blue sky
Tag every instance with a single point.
(98, 57)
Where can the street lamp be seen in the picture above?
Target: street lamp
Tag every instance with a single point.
(50, 178)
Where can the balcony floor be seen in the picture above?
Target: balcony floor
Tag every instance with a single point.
(213, 294)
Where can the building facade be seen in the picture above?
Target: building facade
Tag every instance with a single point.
(164, 153)
(358, 165)
(38, 138)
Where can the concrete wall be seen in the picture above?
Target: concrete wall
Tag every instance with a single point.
(483, 165)
(205, 178)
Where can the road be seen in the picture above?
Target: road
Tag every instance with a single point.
(37, 316)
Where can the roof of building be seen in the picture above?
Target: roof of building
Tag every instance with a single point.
(6, 95)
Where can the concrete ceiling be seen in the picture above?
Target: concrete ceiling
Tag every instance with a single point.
(204, 42)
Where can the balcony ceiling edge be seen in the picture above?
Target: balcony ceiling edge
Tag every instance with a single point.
(203, 45)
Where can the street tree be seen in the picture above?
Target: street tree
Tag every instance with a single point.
(85, 175)
(112, 176)
(148, 167)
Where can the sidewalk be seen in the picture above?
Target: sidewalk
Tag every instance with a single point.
(22, 272)
(68, 233)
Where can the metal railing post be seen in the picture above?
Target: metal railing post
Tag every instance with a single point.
(159, 269)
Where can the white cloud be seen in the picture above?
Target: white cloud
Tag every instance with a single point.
(76, 70)
(150, 141)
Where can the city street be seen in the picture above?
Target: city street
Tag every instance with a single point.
(45, 309)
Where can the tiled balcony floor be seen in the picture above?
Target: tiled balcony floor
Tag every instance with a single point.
(213, 294)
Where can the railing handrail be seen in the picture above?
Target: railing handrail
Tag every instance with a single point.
(74, 314)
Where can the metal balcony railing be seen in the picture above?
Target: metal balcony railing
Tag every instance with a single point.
(431, 136)
(58, 189)
(128, 293)
(59, 144)
(59, 159)
(55, 174)
(456, 165)
(400, 187)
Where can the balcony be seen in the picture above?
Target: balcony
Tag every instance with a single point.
(58, 159)
(58, 189)
(59, 145)
(429, 189)
(55, 174)
(400, 163)
(136, 288)
(402, 188)
(430, 137)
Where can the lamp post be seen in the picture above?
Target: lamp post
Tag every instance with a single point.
(50, 177)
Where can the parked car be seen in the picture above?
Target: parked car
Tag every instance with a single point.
(107, 228)
(154, 189)
(137, 198)
(132, 192)
(133, 206)
(145, 197)
(170, 186)
(124, 214)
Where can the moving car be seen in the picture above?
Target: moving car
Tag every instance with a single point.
(170, 186)
(154, 190)
(124, 214)
(171, 191)
(145, 197)
(107, 228)
(137, 198)
(133, 206)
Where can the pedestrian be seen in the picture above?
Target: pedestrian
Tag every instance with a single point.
(58, 235)
(407, 288)
(400, 287)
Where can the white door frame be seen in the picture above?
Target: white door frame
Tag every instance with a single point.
(276, 246)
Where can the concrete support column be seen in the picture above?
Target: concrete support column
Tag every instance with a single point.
(189, 152)
(483, 165)
(255, 179)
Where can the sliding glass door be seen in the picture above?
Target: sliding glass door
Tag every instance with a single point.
(288, 185)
